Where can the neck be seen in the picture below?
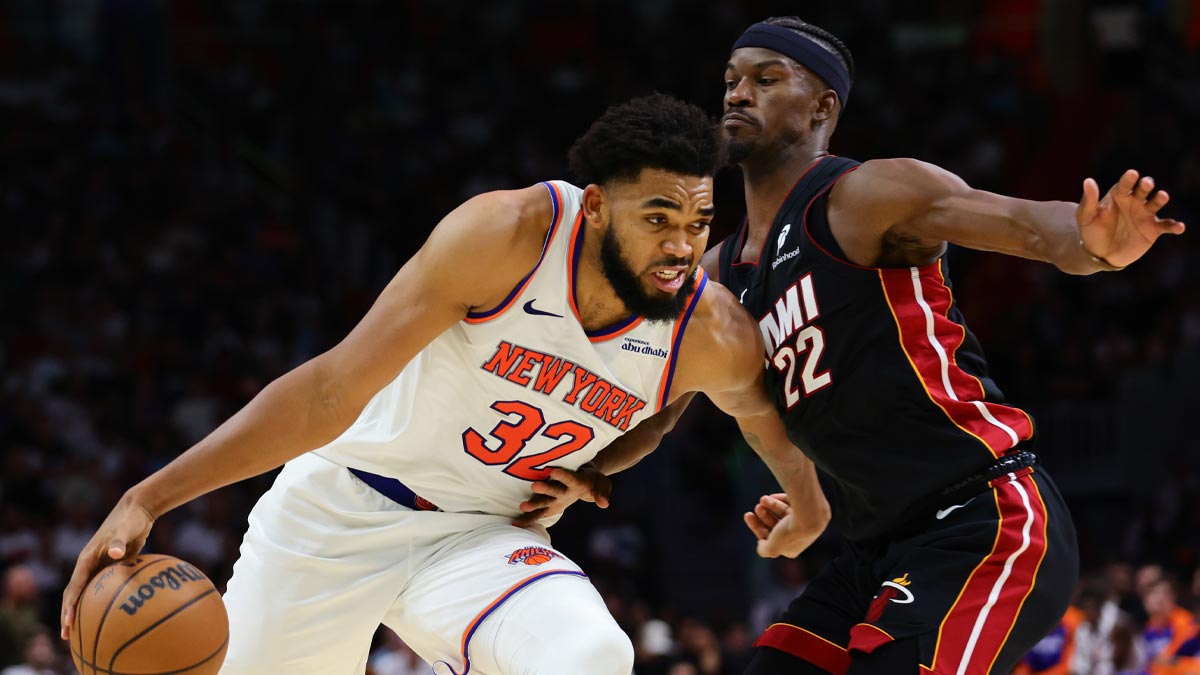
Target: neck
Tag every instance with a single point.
(768, 177)
(598, 304)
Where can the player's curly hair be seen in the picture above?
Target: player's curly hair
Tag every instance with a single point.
(650, 132)
(828, 41)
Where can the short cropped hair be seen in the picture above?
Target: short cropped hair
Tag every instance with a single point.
(650, 132)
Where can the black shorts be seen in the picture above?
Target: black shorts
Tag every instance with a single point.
(979, 583)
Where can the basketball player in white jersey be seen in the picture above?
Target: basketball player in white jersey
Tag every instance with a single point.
(533, 328)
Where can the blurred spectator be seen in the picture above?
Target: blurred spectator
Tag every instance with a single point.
(18, 614)
(737, 647)
(698, 645)
(1145, 578)
(653, 648)
(1055, 653)
(1168, 627)
(40, 657)
(1128, 651)
(1094, 641)
(1187, 659)
(789, 580)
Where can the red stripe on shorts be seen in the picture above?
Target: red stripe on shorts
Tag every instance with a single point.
(807, 646)
(978, 624)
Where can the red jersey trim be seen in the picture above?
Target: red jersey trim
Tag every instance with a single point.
(920, 304)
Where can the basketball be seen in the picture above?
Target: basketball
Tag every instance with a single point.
(151, 615)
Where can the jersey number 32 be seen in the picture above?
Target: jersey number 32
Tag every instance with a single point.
(509, 437)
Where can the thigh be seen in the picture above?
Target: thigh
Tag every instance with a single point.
(500, 600)
(812, 636)
(320, 564)
(981, 586)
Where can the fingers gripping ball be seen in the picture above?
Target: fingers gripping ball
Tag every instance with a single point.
(151, 615)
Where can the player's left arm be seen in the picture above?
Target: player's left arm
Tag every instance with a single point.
(590, 482)
(915, 207)
(731, 354)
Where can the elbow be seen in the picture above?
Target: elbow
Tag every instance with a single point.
(329, 411)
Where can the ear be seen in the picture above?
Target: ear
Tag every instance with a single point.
(595, 205)
(827, 106)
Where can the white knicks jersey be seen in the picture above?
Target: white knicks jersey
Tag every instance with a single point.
(494, 401)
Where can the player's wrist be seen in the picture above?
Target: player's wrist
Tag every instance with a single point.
(1099, 261)
(143, 497)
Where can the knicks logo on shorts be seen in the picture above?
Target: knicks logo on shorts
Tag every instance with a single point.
(424, 504)
(532, 555)
(895, 591)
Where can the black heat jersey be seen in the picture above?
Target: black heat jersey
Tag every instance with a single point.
(873, 370)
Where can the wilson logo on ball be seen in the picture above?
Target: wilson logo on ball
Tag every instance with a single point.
(532, 555)
(171, 578)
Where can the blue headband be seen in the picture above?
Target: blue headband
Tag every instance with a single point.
(802, 50)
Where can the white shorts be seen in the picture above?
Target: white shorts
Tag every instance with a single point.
(327, 559)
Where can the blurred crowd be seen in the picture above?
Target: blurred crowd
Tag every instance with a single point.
(199, 195)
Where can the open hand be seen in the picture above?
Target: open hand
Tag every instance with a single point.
(563, 488)
(122, 535)
(1122, 226)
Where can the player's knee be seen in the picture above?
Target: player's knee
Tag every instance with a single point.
(604, 650)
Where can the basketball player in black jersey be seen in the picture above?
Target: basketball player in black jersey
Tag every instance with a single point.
(958, 553)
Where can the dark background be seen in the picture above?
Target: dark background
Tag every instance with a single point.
(196, 196)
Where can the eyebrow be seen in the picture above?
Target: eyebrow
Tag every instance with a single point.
(664, 203)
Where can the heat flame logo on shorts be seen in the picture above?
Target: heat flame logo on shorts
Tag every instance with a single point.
(895, 591)
(532, 555)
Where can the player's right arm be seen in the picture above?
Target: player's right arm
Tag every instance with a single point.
(902, 212)
(472, 260)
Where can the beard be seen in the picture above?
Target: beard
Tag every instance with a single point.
(653, 306)
(734, 151)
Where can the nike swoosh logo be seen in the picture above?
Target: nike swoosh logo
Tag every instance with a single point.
(743, 295)
(530, 309)
(942, 513)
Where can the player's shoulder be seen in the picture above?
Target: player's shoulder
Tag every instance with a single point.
(893, 166)
(502, 231)
(721, 331)
(522, 213)
(877, 177)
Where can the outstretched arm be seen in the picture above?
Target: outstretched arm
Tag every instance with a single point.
(313, 404)
(902, 212)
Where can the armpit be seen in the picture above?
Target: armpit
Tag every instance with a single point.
(900, 250)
